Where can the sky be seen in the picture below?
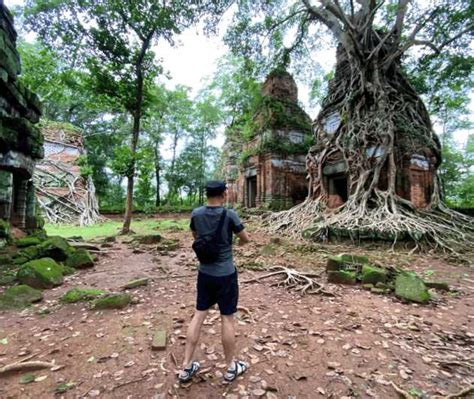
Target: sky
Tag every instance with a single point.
(195, 57)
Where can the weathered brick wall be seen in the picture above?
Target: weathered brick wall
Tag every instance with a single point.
(21, 142)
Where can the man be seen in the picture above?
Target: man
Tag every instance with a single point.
(217, 281)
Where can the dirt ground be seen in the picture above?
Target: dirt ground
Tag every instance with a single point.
(353, 345)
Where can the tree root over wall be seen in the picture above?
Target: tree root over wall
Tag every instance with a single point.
(65, 196)
(438, 228)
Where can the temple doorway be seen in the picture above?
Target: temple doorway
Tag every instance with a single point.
(251, 192)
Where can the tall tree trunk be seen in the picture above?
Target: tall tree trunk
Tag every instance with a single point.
(172, 187)
(137, 114)
(157, 175)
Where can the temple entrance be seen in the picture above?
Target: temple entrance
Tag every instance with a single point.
(338, 193)
(251, 200)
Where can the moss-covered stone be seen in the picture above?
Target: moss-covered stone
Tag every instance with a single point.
(367, 287)
(20, 260)
(354, 259)
(56, 248)
(81, 294)
(30, 253)
(27, 241)
(41, 273)
(149, 239)
(373, 275)
(168, 245)
(19, 296)
(112, 301)
(437, 285)
(137, 283)
(342, 277)
(80, 259)
(334, 263)
(410, 287)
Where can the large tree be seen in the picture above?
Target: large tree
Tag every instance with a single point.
(113, 39)
(383, 119)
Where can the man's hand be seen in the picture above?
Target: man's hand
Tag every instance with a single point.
(244, 238)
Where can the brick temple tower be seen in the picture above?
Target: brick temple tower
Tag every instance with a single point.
(269, 170)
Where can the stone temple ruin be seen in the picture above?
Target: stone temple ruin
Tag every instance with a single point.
(64, 194)
(332, 174)
(269, 170)
(21, 142)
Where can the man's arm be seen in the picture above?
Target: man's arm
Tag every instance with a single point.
(244, 238)
(195, 235)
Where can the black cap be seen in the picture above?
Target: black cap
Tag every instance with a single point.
(215, 188)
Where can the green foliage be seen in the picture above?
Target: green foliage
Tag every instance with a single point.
(112, 227)
(123, 163)
(144, 195)
(86, 170)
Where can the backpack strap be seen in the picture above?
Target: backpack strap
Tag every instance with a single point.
(217, 234)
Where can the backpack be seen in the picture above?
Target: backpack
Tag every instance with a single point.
(207, 250)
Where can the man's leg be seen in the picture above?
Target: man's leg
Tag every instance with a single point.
(192, 336)
(228, 338)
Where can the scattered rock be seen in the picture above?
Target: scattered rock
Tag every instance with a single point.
(81, 294)
(373, 275)
(80, 259)
(149, 239)
(159, 340)
(136, 283)
(19, 296)
(41, 273)
(112, 301)
(27, 241)
(410, 287)
(342, 277)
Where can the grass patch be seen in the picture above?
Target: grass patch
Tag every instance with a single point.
(112, 227)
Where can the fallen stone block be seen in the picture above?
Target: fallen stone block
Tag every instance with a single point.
(159, 340)
(112, 301)
(354, 259)
(81, 294)
(19, 297)
(342, 277)
(373, 275)
(410, 287)
(41, 273)
(136, 283)
(334, 263)
(27, 241)
(148, 239)
(80, 259)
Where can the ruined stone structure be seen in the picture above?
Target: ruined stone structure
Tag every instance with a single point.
(269, 171)
(416, 161)
(21, 143)
(64, 195)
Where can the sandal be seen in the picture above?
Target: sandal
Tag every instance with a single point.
(189, 372)
(238, 369)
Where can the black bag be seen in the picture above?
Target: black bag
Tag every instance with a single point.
(207, 250)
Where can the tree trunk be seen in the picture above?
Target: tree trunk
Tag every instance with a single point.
(137, 114)
(157, 175)
(172, 187)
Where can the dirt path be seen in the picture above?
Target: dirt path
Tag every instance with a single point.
(353, 345)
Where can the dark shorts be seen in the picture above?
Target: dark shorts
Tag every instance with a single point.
(222, 290)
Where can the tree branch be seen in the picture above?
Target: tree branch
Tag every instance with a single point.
(324, 17)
